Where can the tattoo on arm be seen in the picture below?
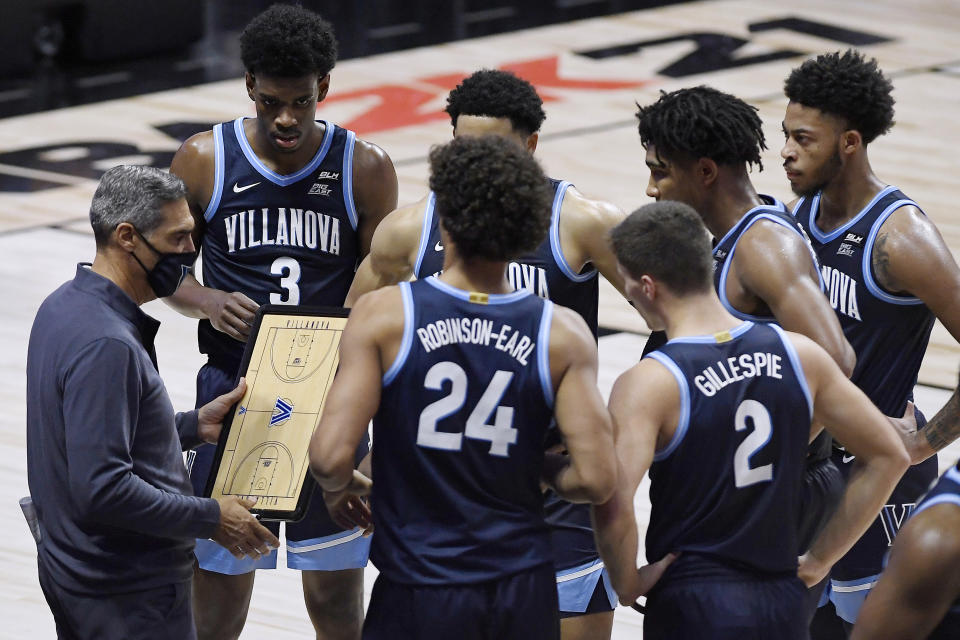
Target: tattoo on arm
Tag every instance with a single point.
(944, 428)
(881, 263)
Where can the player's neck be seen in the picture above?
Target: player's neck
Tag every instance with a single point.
(697, 315)
(280, 162)
(729, 205)
(483, 276)
(846, 195)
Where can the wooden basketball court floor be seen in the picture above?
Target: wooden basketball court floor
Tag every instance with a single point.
(590, 73)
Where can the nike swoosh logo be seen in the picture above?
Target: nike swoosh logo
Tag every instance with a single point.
(439, 246)
(238, 189)
(847, 458)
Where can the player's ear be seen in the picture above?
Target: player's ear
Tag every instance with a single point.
(323, 86)
(532, 140)
(250, 81)
(850, 141)
(707, 171)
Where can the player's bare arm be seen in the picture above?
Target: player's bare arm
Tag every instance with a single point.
(773, 266)
(920, 582)
(644, 401)
(585, 226)
(229, 312)
(393, 251)
(588, 473)
(851, 418)
(911, 258)
(369, 344)
(374, 189)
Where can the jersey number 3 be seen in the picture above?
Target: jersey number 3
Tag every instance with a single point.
(744, 475)
(500, 434)
(289, 271)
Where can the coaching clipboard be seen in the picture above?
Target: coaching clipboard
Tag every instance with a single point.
(289, 362)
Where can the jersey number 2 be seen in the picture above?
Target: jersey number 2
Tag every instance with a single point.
(500, 434)
(289, 271)
(744, 475)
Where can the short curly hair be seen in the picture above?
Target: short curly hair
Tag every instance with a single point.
(287, 41)
(491, 196)
(639, 241)
(701, 122)
(845, 85)
(497, 94)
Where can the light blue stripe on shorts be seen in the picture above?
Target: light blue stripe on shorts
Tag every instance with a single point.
(342, 550)
(848, 595)
(575, 586)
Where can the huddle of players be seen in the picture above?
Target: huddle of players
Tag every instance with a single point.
(480, 388)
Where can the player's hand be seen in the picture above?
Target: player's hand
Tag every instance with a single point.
(906, 428)
(231, 313)
(210, 416)
(349, 507)
(239, 532)
(812, 570)
(647, 576)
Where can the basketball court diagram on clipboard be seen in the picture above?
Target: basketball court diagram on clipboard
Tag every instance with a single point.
(289, 372)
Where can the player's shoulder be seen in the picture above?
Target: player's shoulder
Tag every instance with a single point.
(377, 306)
(370, 159)
(399, 231)
(907, 227)
(932, 537)
(195, 160)
(587, 215)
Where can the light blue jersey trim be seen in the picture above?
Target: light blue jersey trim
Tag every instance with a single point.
(543, 352)
(218, 154)
(492, 298)
(797, 367)
(867, 266)
(407, 341)
(555, 247)
(722, 288)
(348, 180)
(684, 422)
(827, 237)
(425, 232)
(943, 498)
(736, 332)
(272, 175)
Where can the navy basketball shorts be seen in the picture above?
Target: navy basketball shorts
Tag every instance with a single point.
(518, 607)
(855, 574)
(315, 543)
(823, 487)
(733, 607)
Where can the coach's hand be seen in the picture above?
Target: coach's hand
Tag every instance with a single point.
(231, 313)
(239, 532)
(210, 416)
(349, 507)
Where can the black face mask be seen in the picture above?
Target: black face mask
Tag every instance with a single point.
(170, 270)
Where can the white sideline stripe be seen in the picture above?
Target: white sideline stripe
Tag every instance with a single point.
(327, 544)
(581, 573)
(856, 587)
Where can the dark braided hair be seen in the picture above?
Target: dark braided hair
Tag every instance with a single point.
(492, 196)
(287, 41)
(701, 122)
(497, 94)
(845, 85)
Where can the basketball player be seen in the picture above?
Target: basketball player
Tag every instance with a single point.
(918, 594)
(285, 207)
(886, 267)
(563, 268)
(700, 143)
(462, 376)
(721, 415)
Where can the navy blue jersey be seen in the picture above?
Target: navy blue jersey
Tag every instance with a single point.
(774, 211)
(728, 483)
(889, 333)
(545, 271)
(459, 438)
(280, 239)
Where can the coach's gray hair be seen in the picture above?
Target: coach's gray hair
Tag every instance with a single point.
(134, 194)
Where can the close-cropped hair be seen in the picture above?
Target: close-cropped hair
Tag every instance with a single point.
(846, 85)
(134, 194)
(701, 122)
(497, 94)
(288, 41)
(491, 197)
(667, 241)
